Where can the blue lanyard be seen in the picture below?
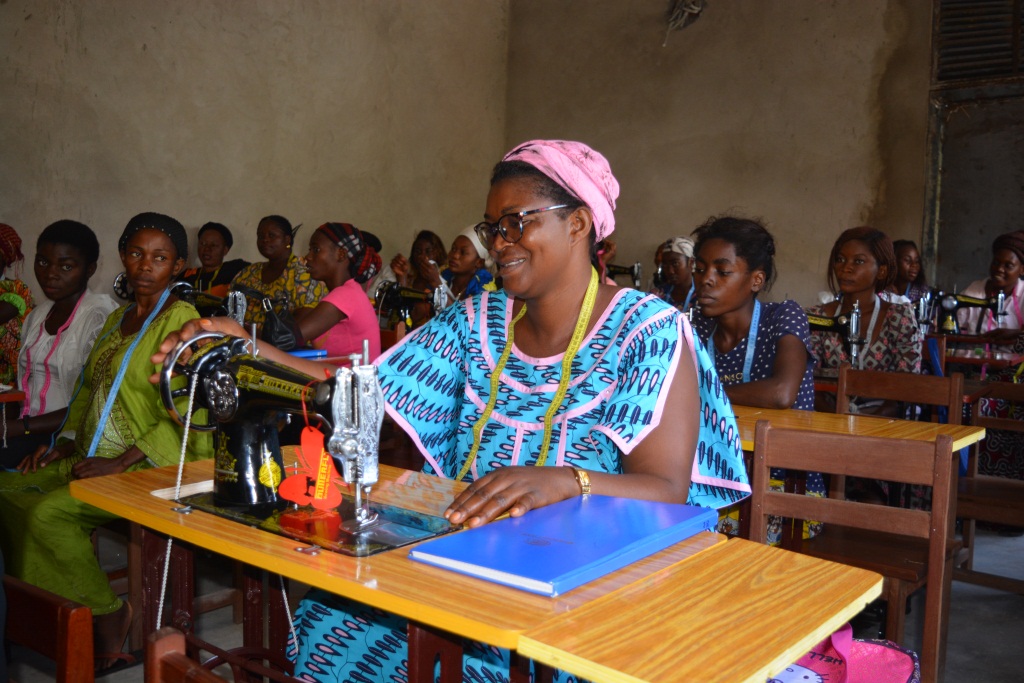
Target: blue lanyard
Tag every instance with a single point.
(112, 394)
(689, 296)
(748, 359)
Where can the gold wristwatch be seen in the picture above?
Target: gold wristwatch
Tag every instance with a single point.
(583, 479)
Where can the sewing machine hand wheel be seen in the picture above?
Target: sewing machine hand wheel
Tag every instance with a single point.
(192, 372)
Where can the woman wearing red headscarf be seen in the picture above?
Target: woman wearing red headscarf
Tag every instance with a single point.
(341, 259)
(15, 303)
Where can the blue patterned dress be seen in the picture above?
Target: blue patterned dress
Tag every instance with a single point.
(437, 383)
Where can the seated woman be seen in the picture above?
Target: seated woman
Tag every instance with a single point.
(340, 259)
(910, 280)
(565, 352)
(281, 277)
(421, 271)
(677, 273)
(1004, 275)
(761, 350)
(214, 274)
(114, 424)
(863, 264)
(469, 267)
(15, 303)
(57, 335)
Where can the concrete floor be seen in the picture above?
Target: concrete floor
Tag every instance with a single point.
(986, 628)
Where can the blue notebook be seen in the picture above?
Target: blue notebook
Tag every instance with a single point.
(556, 548)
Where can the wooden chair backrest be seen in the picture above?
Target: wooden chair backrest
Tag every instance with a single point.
(55, 627)
(906, 387)
(1005, 391)
(896, 460)
(166, 661)
(936, 361)
(390, 337)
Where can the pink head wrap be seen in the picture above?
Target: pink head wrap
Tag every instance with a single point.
(578, 169)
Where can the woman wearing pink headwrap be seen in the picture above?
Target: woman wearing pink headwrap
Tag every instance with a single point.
(599, 391)
(15, 303)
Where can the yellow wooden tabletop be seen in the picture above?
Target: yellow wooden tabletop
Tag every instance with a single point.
(459, 604)
(737, 612)
(859, 425)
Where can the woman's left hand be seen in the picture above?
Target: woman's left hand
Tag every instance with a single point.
(515, 490)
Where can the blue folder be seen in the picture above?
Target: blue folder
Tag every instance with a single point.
(556, 548)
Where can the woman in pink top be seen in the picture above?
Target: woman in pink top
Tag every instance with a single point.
(340, 258)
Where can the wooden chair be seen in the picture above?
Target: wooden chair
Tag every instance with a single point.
(933, 353)
(55, 627)
(903, 387)
(167, 662)
(989, 498)
(910, 548)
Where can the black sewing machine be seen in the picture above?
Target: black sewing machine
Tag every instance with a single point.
(635, 272)
(247, 397)
(948, 305)
(846, 326)
(392, 299)
(208, 305)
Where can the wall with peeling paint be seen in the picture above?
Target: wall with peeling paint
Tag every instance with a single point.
(811, 115)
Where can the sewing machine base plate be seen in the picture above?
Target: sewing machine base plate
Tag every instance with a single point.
(394, 528)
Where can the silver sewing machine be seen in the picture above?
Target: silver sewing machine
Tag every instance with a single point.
(845, 325)
(247, 396)
(948, 305)
(635, 272)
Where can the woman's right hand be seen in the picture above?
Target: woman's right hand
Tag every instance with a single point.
(44, 455)
(189, 331)
(401, 267)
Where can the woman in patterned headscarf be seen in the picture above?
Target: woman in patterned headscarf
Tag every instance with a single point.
(15, 303)
(340, 258)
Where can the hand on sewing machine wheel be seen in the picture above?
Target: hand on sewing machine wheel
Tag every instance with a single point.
(188, 331)
(515, 490)
(44, 455)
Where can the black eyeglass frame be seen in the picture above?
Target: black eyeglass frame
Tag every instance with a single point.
(488, 231)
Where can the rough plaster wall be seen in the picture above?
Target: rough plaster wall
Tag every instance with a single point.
(385, 114)
(809, 114)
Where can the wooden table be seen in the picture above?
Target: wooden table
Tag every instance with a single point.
(747, 624)
(12, 396)
(853, 425)
(499, 615)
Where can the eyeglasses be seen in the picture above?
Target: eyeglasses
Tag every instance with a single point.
(509, 226)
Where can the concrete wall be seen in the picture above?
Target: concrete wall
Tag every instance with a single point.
(809, 114)
(389, 114)
(386, 114)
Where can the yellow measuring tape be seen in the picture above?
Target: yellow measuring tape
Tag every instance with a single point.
(563, 382)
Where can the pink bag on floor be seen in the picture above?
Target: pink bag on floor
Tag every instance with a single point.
(841, 659)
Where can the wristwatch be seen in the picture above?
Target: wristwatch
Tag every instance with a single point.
(583, 479)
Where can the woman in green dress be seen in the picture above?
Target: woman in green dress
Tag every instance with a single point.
(115, 424)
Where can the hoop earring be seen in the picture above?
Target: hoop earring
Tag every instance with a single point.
(123, 289)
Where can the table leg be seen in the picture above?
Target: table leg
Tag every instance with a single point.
(426, 646)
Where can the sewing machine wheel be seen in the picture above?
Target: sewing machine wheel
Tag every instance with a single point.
(192, 371)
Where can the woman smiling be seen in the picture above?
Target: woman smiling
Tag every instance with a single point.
(554, 386)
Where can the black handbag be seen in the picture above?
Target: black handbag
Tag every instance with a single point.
(280, 329)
